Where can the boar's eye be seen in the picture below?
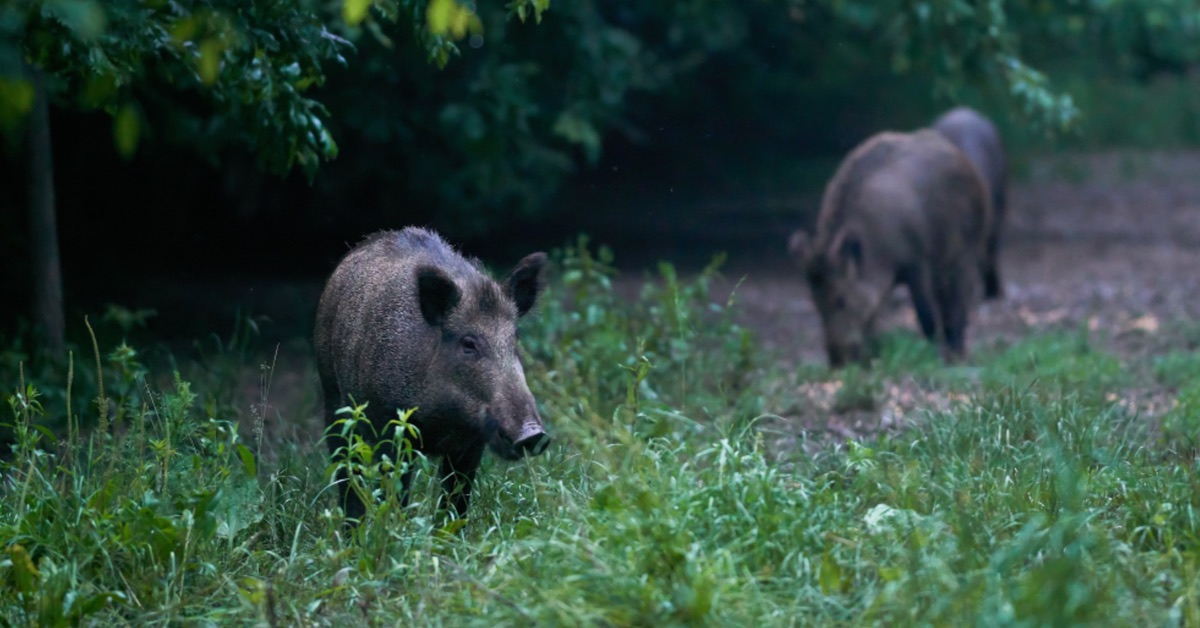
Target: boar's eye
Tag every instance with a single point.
(470, 345)
(839, 302)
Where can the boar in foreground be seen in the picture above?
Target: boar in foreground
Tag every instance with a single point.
(978, 138)
(404, 322)
(901, 208)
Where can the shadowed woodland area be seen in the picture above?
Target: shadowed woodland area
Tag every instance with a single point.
(178, 180)
(697, 129)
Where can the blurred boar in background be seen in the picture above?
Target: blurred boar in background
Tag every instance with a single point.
(404, 322)
(902, 208)
(976, 136)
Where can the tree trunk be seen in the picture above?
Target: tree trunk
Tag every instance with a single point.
(47, 312)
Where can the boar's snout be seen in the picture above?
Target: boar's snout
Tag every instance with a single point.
(532, 441)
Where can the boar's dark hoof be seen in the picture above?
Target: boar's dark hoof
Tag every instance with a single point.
(533, 444)
(993, 289)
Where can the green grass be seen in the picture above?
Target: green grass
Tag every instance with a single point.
(1036, 503)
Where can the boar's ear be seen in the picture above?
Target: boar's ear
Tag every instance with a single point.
(848, 249)
(525, 282)
(799, 246)
(437, 294)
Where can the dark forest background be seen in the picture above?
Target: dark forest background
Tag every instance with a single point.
(667, 130)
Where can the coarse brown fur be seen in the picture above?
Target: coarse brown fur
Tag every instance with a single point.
(406, 322)
(902, 208)
(977, 137)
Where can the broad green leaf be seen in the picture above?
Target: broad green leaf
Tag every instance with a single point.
(438, 16)
(247, 460)
(253, 590)
(16, 100)
(126, 130)
(451, 528)
(448, 17)
(355, 11)
(184, 30)
(579, 130)
(99, 90)
(24, 574)
(45, 431)
(210, 60)
(539, 7)
(830, 575)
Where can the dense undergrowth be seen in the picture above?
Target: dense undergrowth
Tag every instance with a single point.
(1040, 501)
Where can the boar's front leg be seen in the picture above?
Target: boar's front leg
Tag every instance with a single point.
(919, 280)
(458, 474)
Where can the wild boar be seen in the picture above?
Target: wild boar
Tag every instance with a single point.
(405, 322)
(976, 136)
(901, 208)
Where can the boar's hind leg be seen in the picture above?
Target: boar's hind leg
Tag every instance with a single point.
(993, 287)
(920, 286)
(953, 289)
(458, 473)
